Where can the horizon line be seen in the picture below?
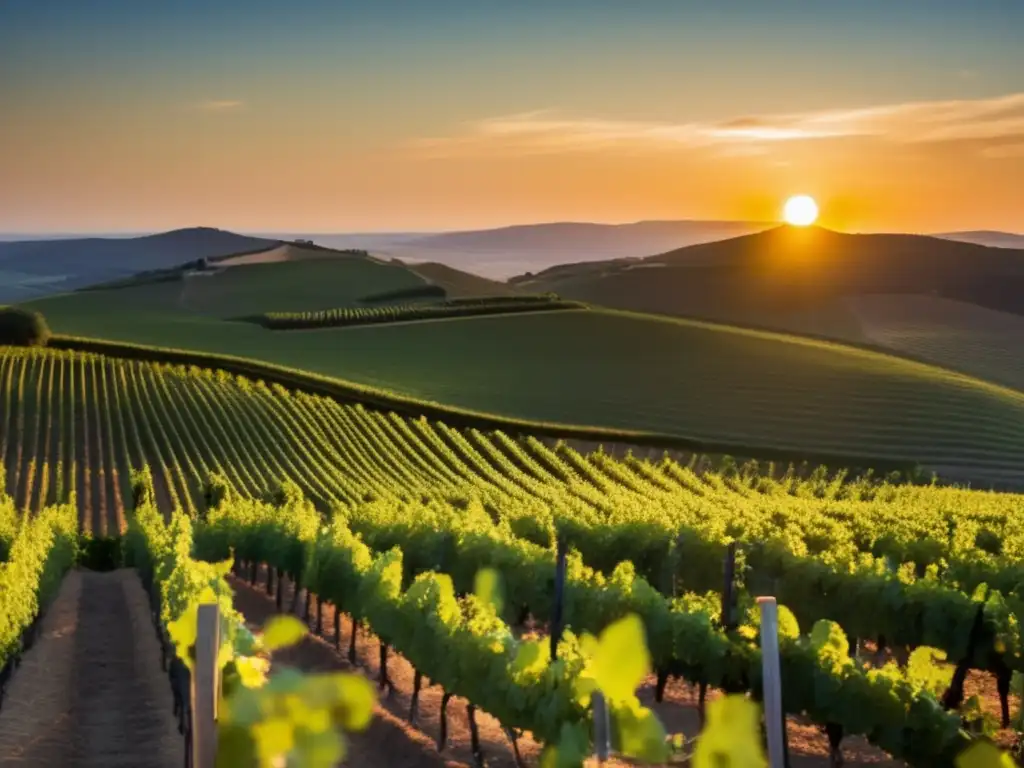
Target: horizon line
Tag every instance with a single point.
(13, 236)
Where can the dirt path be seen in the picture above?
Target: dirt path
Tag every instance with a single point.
(90, 691)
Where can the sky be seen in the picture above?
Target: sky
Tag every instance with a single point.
(334, 115)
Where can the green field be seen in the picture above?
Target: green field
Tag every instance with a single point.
(286, 286)
(622, 371)
(458, 283)
(957, 335)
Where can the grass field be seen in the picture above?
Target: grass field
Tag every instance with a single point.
(622, 371)
(957, 335)
(458, 283)
(283, 286)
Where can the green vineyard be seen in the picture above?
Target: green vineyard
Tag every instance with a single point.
(260, 468)
(402, 313)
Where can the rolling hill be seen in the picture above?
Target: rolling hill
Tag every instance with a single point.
(690, 382)
(32, 268)
(794, 279)
(987, 237)
(952, 334)
(502, 253)
(457, 283)
(685, 381)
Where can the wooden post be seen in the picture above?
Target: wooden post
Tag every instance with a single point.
(773, 714)
(206, 687)
(556, 619)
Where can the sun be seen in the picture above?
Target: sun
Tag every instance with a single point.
(800, 211)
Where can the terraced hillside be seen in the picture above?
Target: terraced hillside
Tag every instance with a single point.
(80, 422)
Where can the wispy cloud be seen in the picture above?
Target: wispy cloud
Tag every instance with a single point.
(218, 105)
(1001, 151)
(546, 131)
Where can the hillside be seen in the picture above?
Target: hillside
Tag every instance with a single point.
(795, 279)
(458, 284)
(505, 252)
(952, 334)
(611, 370)
(986, 237)
(31, 268)
(287, 278)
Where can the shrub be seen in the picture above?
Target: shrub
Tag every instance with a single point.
(23, 328)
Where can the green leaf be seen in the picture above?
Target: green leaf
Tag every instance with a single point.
(732, 736)
(788, 625)
(283, 631)
(487, 588)
(284, 681)
(532, 656)
(235, 747)
(322, 749)
(183, 632)
(924, 669)
(252, 670)
(621, 660)
(984, 754)
(356, 699)
(274, 738)
(641, 735)
(242, 707)
(572, 749)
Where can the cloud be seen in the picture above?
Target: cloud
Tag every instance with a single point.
(219, 105)
(546, 131)
(1003, 151)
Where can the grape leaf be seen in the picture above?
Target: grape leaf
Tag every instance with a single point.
(282, 631)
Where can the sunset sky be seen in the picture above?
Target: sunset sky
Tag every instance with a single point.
(333, 115)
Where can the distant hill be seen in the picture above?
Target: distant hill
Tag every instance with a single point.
(986, 237)
(794, 279)
(502, 253)
(33, 268)
(457, 283)
(289, 277)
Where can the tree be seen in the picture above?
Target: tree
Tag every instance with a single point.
(23, 328)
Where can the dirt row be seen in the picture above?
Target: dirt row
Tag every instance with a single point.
(90, 691)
